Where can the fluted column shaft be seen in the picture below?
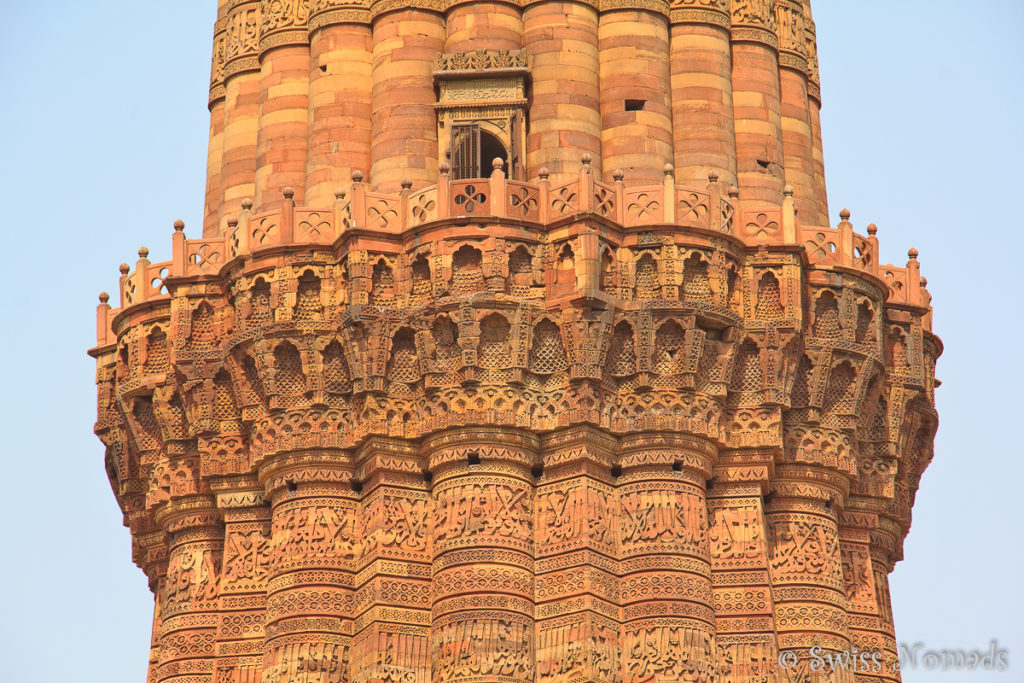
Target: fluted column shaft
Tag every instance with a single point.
(243, 585)
(814, 111)
(340, 108)
(756, 103)
(284, 109)
(636, 112)
(391, 632)
(188, 620)
(806, 566)
(797, 142)
(483, 556)
(484, 26)
(404, 124)
(668, 622)
(739, 567)
(577, 566)
(314, 542)
(241, 110)
(215, 149)
(704, 133)
(565, 114)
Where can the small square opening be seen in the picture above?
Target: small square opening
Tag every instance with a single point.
(635, 105)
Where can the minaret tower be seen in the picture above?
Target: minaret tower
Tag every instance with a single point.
(516, 346)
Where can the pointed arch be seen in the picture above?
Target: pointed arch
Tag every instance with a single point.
(158, 353)
(669, 349)
(467, 271)
(647, 285)
(337, 378)
(492, 350)
(382, 285)
(307, 305)
(839, 392)
(746, 370)
(447, 352)
(403, 363)
(420, 293)
(620, 360)
(826, 316)
(769, 298)
(547, 353)
(696, 286)
(290, 380)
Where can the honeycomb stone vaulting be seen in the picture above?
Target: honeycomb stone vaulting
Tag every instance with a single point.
(517, 346)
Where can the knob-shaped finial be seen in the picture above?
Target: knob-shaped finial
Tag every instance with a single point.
(788, 190)
(357, 175)
(845, 214)
(586, 158)
(872, 230)
(289, 192)
(544, 173)
(143, 252)
(104, 297)
(713, 176)
(247, 204)
(339, 194)
(913, 253)
(406, 183)
(124, 268)
(179, 225)
(618, 174)
(445, 167)
(498, 163)
(668, 169)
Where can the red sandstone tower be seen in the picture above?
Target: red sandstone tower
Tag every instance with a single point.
(516, 347)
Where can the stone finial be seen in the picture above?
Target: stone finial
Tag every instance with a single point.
(788, 190)
(289, 192)
(124, 268)
(544, 173)
(233, 222)
(143, 252)
(669, 169)
(913, 254)
(445, 167)
(618, 174)
(924, 282)
(406, 183)
(339, 194)
(357, 175)
(247, 204)
(845, 214)
(104, 297)
(498, 164)
(179, 225)
(587, 158)
(734, 192)
(872, 230)
(712, 176)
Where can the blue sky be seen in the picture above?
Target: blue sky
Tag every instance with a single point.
(105, 130)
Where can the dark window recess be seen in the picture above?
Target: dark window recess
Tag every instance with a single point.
(474, 151)
(635, 105)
